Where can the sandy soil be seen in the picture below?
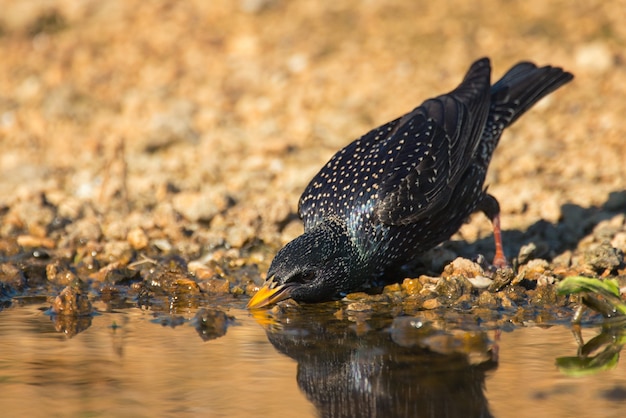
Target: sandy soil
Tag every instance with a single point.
(132, 129)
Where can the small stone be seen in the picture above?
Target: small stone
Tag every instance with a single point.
(487, 300)
(563, 260)
(86, 229)
(603, 257)
(163, 245)
(203, 273)
(392, 288)
(545, 280)
(250, 288)
(412, 286)
(465, 302)
(505, 301)
(619, 241)
(185, 286)
(463, 267)
(237, 290)
(453, 287)
(197, 206)
(532, 250)
(534, 268)
(137, 239)
(215, 285)
(544, 295)
(9, 247)
(501, 279)
(31, 241)
(71, 302)
(431, 304)
(238, 235)
(12, 275)
(480, 282)
(60, 275)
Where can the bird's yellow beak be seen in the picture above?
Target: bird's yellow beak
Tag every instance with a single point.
(269, 294)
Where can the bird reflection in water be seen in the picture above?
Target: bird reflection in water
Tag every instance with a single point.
(402, 367)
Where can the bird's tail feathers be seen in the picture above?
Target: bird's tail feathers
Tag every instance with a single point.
(521, 87)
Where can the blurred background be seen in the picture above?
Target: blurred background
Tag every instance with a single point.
(201, 122)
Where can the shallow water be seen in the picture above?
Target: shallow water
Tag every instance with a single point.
(136, 363)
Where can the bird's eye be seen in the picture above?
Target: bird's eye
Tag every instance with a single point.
(302, 277)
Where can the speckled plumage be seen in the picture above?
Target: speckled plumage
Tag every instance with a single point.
(403, 187)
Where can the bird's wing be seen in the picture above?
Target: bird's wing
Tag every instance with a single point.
(430, 149)
(327, 193)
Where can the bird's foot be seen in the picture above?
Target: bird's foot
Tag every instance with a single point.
(499, 261)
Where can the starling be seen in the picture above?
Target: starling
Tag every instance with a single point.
(403, 188)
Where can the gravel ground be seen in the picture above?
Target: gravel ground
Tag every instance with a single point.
(159, 148)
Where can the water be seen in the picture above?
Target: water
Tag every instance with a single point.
(134, 363)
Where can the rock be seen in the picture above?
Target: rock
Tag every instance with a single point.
(11, 276)
(215, 285)
(431, 304)
(137, 238)
(563, 260)
(72, 302)
(34, 242)
(60, 274)
(200, 206)
(392, 288)
(464, 268)
(487, 300)
(533, 269)
(532, 250)
(412, 286)
(452, 288)
(619, 241)
(604, 257)
(480, 282)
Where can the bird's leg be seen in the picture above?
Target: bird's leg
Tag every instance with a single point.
(490, 207)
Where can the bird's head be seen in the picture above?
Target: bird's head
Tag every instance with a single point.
(319, 265)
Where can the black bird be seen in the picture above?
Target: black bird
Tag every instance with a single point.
(403, 188)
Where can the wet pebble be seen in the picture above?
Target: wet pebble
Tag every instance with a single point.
(412, 286)
(431, 304)
(11, 276)
(393, 288)
(60, 274)
(486, 299)
(215, 285)
(452, 288)
(71, 302)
